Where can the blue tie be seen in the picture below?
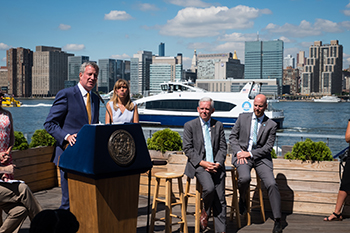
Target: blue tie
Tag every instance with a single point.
(255, 132)
(208, 147)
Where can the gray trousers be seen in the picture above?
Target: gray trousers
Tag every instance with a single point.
(266, 174)
(18, 202)
(214, 195)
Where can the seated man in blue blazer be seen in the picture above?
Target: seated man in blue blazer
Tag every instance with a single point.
(205, 146)
(72, 109)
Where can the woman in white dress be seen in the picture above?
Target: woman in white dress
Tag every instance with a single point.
(120, 107)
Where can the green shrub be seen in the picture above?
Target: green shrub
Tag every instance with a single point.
(273, 154)
(309, 150)
(42, 138)
(21, 142)
(165, 140)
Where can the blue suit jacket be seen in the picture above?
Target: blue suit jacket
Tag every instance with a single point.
(68, 115)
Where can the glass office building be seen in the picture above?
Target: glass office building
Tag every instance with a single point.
(264, 60)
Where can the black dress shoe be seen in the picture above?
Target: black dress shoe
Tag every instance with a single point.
(278, 227)
(242, 207)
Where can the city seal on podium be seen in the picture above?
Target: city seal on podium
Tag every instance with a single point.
(121, 147)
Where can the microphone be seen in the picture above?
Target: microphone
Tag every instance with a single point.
(101, 99)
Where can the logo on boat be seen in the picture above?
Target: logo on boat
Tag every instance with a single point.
(246, 106)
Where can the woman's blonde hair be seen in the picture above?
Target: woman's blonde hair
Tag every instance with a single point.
(115, 98)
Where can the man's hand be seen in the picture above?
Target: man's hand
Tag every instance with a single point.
(8, 169)
(242, 157)
(4, 156)
(209, 166)
(72, 139)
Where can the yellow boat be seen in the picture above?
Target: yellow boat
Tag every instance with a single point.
(8, 101)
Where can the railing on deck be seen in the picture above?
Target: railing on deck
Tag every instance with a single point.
(280, 138)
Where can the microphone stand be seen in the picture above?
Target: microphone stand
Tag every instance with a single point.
(101, 99)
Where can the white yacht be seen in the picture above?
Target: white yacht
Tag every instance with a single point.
(328, 99)
(178, 101)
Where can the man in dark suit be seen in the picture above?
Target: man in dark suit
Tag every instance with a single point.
(72, 109)
(252, 139)
(205, 146)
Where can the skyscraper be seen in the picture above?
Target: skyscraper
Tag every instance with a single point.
(164, 69)
(323, 69)
(288, 61)
(219, 66)
(107, 74)
(140, 72)
(50, 70)
(264, 60)
(74, 64)
(19, 65)
(161, 49)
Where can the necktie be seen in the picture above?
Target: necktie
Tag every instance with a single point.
(208, 147)
(255, 132)
(88, 107)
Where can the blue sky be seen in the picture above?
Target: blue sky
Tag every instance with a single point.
(118, 29)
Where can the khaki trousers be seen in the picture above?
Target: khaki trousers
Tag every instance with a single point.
(18, 202)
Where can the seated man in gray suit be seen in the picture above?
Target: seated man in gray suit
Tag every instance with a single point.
(251, 140)
(205, 146)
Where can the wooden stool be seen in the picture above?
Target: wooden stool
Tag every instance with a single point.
(198, 202)
(168, 176)
(234, 208)
(253, 204)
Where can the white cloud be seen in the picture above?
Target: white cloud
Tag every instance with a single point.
(3, 59)
(73, 47)
(212, 21)
(189, 3)
(4, 46)
(117, 15)
(123, 56)
(306, 44)
(306, 28)
(198, 45)
(346, 12)
(348, 6)
(238, 37)
(148, 7)
(64, 27)
(286, 40)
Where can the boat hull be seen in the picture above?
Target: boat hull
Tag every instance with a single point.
(179, 121)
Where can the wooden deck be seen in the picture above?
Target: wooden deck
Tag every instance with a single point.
(292, 223)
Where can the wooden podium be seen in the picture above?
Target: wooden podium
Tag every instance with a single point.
(104, 169)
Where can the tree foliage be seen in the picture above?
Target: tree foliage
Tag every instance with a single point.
(42, 138)
(165, 140)
(21, 142)
(310, 150)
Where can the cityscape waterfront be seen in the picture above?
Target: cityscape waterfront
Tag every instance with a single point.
(300, 118)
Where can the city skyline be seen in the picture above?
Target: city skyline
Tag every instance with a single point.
(119, 29)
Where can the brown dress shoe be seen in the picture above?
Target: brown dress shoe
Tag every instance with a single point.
(204, 220)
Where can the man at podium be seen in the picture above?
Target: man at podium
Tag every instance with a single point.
(72, 109)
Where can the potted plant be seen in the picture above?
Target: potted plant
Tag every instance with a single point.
(163, 141)
(34, 160)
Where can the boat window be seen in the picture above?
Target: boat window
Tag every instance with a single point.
(185, 105)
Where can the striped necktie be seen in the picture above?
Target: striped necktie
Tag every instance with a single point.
(88, 107)
(208, 147)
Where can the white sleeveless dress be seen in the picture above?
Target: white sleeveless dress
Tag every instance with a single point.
(119, 117)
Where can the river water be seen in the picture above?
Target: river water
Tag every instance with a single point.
(300, 118)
